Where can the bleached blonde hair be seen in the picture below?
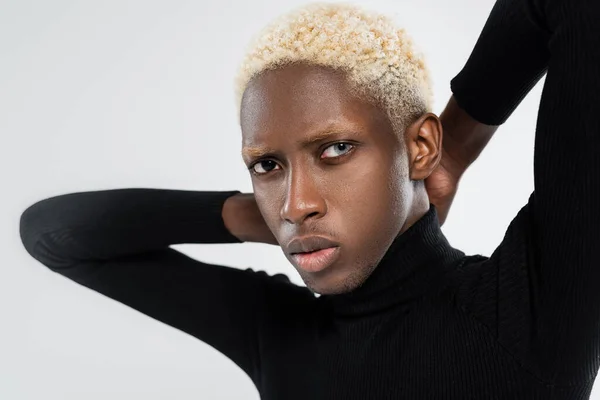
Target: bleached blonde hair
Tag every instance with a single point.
(378, 58)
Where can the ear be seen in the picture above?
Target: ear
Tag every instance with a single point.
(424, 146)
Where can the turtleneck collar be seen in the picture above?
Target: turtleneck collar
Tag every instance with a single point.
(414, 264)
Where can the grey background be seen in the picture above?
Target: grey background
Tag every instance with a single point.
(112, 94)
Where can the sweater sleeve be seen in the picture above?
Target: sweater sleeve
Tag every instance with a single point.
(539, 292)
(116, 242)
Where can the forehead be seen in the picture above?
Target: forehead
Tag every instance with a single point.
(297, 99)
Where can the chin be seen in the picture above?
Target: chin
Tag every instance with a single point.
(323, 287)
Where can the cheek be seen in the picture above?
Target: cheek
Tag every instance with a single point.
(268, 206)
(379, 194)
(366, 195)
(374, 179)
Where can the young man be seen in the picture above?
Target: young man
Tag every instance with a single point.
(343, 152)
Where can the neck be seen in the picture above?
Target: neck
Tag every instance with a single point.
(415, 265)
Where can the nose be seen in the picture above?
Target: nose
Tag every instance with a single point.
(303, 199)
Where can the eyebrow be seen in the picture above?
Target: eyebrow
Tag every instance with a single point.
(253, 152)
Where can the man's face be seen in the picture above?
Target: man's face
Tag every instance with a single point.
(324, 163)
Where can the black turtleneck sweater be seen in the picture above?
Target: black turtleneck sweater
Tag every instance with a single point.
(430, 322)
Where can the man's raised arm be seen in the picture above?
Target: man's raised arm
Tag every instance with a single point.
(540, 290)
(116, 242)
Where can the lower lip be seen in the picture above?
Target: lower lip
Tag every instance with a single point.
(318, 260)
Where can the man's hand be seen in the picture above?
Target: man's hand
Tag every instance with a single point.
(464, 138)
(441, 187)
(243, 219)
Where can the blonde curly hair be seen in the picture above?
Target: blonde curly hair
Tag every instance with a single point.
(378, 58)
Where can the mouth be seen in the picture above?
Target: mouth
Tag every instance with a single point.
(316, 260)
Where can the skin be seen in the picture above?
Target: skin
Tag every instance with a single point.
(362, 193)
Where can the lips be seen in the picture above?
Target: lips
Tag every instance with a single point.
(313, 253)
(309, 244)
(317, 260)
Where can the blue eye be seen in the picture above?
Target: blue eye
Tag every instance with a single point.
(337, 148)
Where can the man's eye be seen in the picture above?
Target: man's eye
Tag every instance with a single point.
(335, 149)
(262, 167)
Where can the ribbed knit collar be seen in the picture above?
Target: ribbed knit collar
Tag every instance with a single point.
(415, 264)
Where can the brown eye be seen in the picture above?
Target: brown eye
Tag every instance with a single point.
(335, 149)
(262, 167)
